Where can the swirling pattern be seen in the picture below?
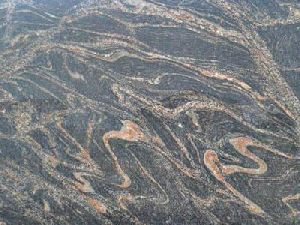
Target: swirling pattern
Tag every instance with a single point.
(163, 112)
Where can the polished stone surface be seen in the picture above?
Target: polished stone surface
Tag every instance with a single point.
(157, 112)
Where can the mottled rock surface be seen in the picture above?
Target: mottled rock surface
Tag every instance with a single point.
(156, 112)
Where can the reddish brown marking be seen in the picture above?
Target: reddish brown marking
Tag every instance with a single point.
(89, 132)
(211, 160)
(290, 198)
(124, 198)
(241, 144)
(97, 205)
(213, 163)
(130, 131)
(84, 155)
(82, 184)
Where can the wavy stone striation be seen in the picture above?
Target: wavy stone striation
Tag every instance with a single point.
(149, 112)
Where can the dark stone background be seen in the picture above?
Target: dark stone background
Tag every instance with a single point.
(190, 74)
